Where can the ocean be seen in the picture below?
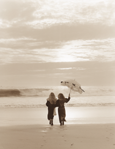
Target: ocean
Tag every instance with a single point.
(36, 97)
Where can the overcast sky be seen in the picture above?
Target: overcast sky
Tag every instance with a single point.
(45, 41)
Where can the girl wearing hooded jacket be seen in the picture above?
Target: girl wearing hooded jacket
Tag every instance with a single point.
(51, 101)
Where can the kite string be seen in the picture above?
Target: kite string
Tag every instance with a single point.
(70, 90)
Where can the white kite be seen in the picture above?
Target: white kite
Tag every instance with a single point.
(73, 85)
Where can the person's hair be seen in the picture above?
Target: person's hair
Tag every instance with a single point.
(61, 96)
(52, 98)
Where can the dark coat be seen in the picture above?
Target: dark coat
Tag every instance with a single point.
(61, 108)
(50, 110)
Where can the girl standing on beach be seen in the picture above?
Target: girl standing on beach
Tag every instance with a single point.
(61, 108)
(51, 101)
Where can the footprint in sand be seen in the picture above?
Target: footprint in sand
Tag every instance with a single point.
(42, 146)
(71, 144)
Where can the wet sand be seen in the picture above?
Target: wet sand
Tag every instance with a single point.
(96, 136)
(28, 128)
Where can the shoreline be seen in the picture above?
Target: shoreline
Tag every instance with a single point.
(74, 115)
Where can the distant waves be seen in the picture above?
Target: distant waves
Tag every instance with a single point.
(23, 92)
(44, 92)
(9, 92)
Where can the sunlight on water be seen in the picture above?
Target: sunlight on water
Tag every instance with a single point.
(90, 114)
(72, 113)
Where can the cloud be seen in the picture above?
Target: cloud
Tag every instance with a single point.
(69, 12)
(71, 68)
(46, 13)
(4, 24)
(34, 31)
(13, 10)
(28, 43)
(61, 33)
(57, 19)
(66, 51)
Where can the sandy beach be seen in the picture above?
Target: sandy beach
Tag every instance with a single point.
(48, 137)
(31, 130)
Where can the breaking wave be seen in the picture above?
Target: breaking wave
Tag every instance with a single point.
(44, 92)
(23, 92)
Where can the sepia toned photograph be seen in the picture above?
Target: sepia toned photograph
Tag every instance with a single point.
(57, 74)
